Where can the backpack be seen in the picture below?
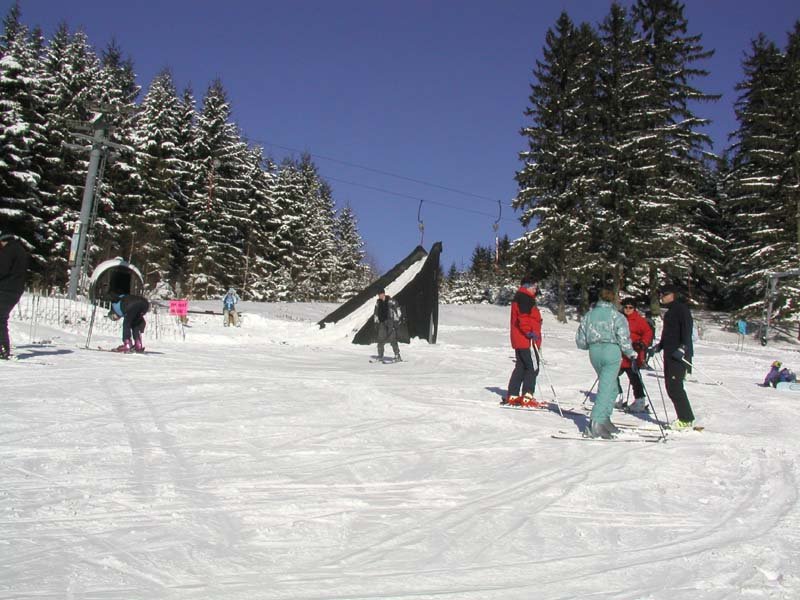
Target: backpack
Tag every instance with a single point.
(787, 375)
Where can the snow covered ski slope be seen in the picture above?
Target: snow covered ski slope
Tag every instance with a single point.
(273, 461)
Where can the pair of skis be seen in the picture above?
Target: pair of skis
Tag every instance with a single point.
(630, 433)
(385, 361)
(115, 351)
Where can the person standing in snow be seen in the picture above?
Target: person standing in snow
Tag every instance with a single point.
(741, 327)
(229, 314)
(604, 333)
(386, 317)
(526, 332)
(13, 269)
(131, 309)
(641, 338)
(676, 343)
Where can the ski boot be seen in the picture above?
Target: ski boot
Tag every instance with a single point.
(512, 401)
(597, 430)
(138, 347)
(124, 348)
(530, 402)
(639, 406)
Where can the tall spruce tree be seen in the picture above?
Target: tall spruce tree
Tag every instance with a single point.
(118, 199)
(762, 188)
(558, 181)
(219, 207)
(21, 136)
(621, 94)
(261, 250)
(72, 71)
(675, 148)
(160, 164)
(315, 242)
(351, 273)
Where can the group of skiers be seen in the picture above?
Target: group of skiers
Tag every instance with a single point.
(617, 343)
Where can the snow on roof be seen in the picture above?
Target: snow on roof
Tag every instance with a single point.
(110, 264)
(348, 326)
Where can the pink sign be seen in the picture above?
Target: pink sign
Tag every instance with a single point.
(178, 308)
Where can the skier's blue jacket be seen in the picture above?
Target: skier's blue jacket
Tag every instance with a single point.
(230, 300)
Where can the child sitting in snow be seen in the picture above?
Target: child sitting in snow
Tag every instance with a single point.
(776, 375)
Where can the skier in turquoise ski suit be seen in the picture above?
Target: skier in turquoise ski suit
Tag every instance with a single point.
(604, 332)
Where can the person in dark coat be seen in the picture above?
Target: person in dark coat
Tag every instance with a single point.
(676, 343)
(386, 317)
(526, 331)
(131, 309)
(13, 269)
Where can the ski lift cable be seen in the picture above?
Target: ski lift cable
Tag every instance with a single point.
(410, 197)
(381, 172)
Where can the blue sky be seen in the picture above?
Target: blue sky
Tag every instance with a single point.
(397, 101)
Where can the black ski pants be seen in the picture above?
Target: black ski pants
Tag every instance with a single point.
(8, 301)
(387, 332)
(635, 381)
(524, 374)
(674, 374)
(133, 322)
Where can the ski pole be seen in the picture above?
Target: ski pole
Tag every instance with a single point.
(546, 374)
(91, 326)
(589, 393)
(714, 381)
(661, 391)
(652, 407)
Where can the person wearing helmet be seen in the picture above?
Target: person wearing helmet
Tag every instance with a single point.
(131, 309)
(775, 375)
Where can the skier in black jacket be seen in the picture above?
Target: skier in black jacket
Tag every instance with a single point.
(13, 268)
(131, 309)
(676, 342)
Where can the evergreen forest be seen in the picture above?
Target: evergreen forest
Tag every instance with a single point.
(617, 183)
(180, 193)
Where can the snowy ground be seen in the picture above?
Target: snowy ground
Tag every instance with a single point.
(275, 461)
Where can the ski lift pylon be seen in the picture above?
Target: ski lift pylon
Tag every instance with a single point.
(420, 223)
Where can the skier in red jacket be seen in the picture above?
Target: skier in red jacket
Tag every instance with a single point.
(526, 330)
(641, 338)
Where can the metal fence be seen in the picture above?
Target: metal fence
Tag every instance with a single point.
(85, 319)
